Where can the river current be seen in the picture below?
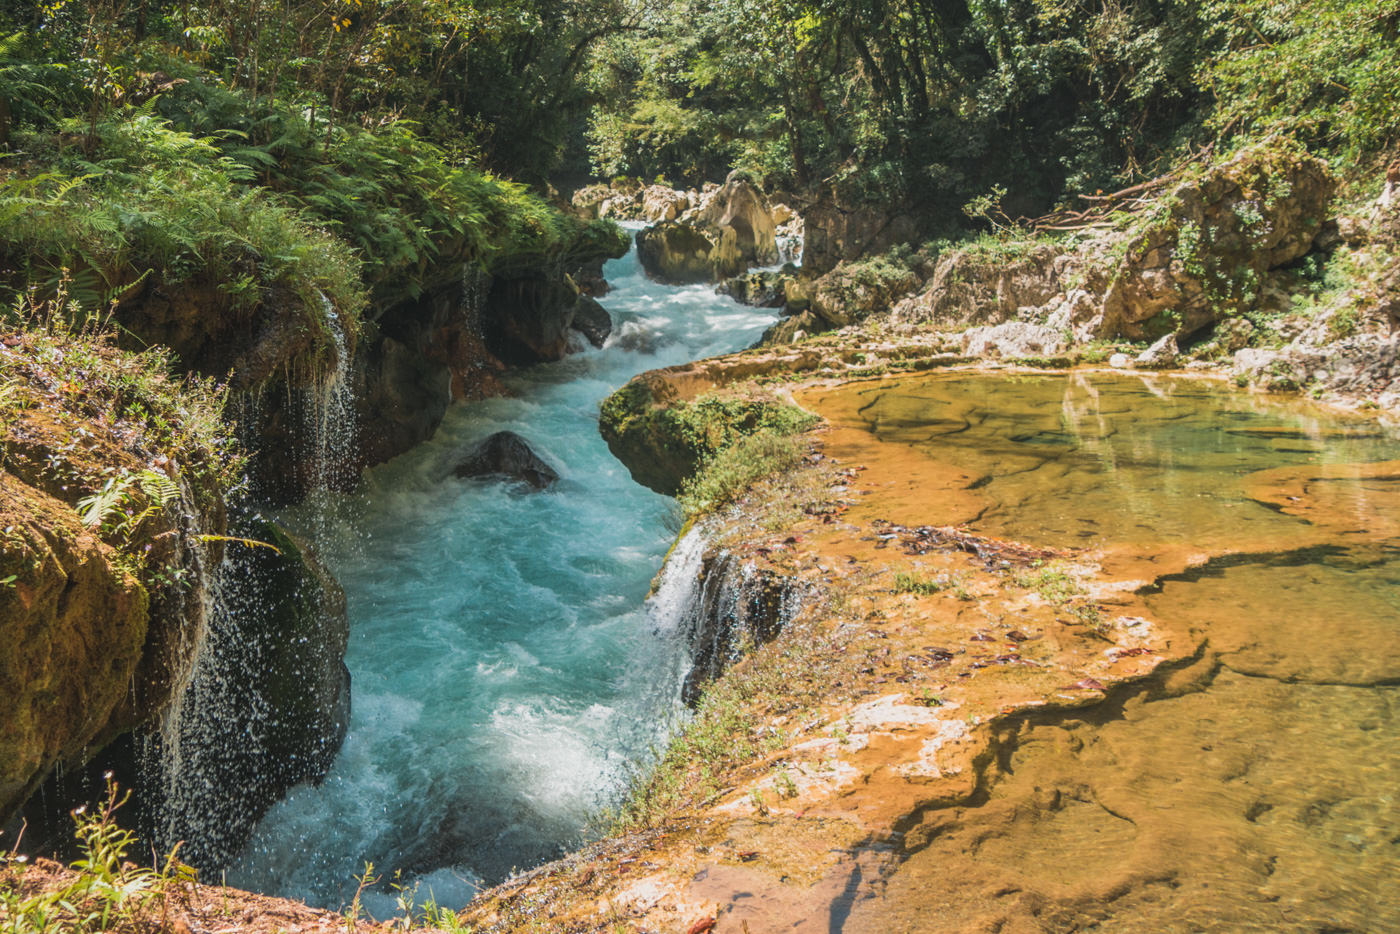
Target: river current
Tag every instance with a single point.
(507, 670)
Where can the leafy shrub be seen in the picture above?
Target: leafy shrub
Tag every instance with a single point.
(737, 467)
(154, 201)
(1321, 70)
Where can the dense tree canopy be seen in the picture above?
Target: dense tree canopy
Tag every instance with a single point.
(928, 104)
(939, 101)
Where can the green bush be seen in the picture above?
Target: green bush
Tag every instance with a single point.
(737, 467)
(1321, 70)
(153, 201)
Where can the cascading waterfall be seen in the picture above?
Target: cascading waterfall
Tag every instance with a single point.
(509, 672)
(672, 607)
(736, 607)
(222, 752)
(329, 415)
(790, 250)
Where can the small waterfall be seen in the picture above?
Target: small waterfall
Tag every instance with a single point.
(790, 250)
(679, 583)
(737, 607)
(329, 416)
(265, 703)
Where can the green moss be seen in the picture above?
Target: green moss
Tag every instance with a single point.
(666, 445)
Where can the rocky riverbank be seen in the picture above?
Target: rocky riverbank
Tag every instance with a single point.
(836, 747)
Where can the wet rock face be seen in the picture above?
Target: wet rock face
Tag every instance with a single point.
(428, 352)
(526, 319)
(73, 627)
(592, 321)
(506, 454)
(102, 604)
(738, 607)
(267, 709)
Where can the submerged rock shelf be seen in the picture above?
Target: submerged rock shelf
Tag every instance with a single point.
(1170, 709)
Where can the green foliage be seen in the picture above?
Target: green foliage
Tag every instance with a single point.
(905, 582)
(738, 466)
(69, 375)
(1053, 582)
(731, 725)
(940, 103)
(1323, 71)
(104, 892)
(150, 200)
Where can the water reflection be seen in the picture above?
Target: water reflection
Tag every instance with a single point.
(1256, 787)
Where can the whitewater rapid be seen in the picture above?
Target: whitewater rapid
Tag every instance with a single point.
(508, 673)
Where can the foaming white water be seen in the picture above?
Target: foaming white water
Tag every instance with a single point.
(508, 672)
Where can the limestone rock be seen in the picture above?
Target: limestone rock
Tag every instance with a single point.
(838, 230)
(759, 289)
(969, 287)
(506, 454)
(793, 328)
(73, 626)
(1012, 339)
(717, 240)
(742, 208)
(660, 203)
(1209, 255)
(592, 321)
(1160, 355)
(683, 253)
(851, 293)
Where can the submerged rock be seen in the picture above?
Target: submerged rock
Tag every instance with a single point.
(759, 289)
(506, 454)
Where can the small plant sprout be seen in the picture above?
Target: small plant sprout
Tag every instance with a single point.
(930, 699)
(785, 785)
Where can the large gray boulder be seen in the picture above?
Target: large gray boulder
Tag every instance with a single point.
(507, 455)
(728, 234)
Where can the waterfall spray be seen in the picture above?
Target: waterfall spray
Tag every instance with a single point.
(266, 701)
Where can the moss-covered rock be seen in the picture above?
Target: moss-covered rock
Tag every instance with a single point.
(73, 625)
(113, 480)
(664, 439)
(1204, 252)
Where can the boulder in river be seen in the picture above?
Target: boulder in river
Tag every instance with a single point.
(760, 289)
(506, 454)
(592, 321)
(730, 233)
